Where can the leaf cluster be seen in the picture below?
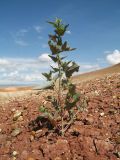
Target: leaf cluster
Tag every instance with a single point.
(61, 103)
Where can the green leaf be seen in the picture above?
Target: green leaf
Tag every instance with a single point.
(73, 68)
(76, 97)
(72, 89)
(54, 48)
(59, 41)
(66, 26)
(63, 57)
(58, 21)
(60, 30)
(53, 38)
(48, 76)
(55, 69)
(52, 23)
(64, 46)
(42, 109)
(55, 59)
(71, 49)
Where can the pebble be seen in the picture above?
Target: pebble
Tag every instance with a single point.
(20, 118)
(96, 93)
(0, 130)
(17, 115)
(118, 153)
(102, 114)
(31, 138)
(15, 153)
(13, 109)
(16, 132)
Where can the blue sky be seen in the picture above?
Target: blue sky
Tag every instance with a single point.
(94, 30)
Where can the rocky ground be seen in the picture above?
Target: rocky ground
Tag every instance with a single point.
(95, 135)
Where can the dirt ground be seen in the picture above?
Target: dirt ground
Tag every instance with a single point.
(95, 135)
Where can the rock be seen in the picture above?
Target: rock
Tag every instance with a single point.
(102, 114)
(118, 154)
(15, 153)
(17, 115)
(88, 121)
(13, 110)
(20, 118)
(33, 133)
(114, 97)
(31, 138)
(0, 130)
(16, 132)
(112, 111)
(96, 93)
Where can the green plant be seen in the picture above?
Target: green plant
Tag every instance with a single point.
(65, 99)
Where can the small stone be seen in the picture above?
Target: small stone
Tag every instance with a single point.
(88, 121)
(15, 153)
(33, 133)
(13, 109)
(17, 115)
(20, 118)
(16, 132)
(96, 93)
(114, 97)
(31, 138)
(0, 130)
(118, 154)
(112, 111)
(102, 114)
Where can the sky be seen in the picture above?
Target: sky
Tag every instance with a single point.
(94, 29)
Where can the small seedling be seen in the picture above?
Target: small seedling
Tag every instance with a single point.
(64, 102)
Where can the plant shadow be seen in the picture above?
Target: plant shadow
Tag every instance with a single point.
(39, 123)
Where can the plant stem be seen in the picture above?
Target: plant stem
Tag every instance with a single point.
(62, 131)
(70, 122)
(59, 98)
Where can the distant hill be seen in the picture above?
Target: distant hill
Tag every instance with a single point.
(97, 74)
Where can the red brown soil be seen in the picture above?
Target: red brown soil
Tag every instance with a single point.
(95, 135)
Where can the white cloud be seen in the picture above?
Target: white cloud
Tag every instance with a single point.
(38, 29)
(19, 37)
(90, 66)
(87, 67)
(44, 57)
(114, 57)
(21, 70)
(3, 61)
(68, 32)
(21, 43)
